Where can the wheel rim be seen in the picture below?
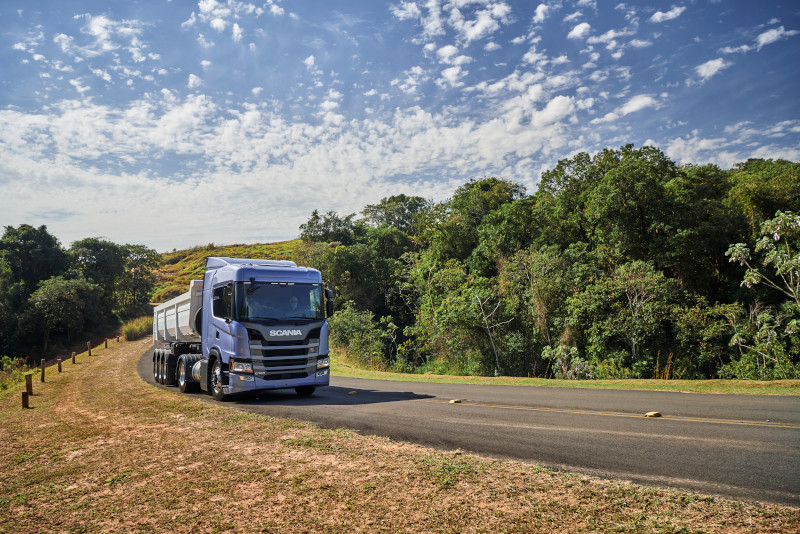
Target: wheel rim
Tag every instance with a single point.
(181, 374)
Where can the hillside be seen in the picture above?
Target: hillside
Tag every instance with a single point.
(181, 266)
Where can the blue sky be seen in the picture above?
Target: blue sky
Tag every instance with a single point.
(178, 123)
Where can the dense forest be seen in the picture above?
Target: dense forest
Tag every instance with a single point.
(51, 297)
(621, 265)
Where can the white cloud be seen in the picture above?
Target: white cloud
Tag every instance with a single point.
(660, 16)
(205, 64)
(638, 103)
(451, 77)
(446, 52)
(573, 16)
(218, 24)
(634, 104)
(236, 33)
(491, 46)
(257, 90)
(774, 35)
(580, 31)
(541, 13)
(735, 50)
(710, 68)
(406, 10)
(193, 82)
(639, 43)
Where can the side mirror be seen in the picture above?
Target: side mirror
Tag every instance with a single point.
(328, 302)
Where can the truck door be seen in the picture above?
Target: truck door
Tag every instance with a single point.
(219, 334)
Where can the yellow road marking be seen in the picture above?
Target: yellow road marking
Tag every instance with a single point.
(620, 414)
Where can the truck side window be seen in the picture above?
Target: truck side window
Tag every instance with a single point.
(223, 301)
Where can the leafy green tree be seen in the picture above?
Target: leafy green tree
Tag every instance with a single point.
(102, 262)
(397, 211)
(453, 226)
(330, 227)
(760, 188)
(626, 316)
(33, 255)
(62, 305)
(771, 340)
(134, 286)
(698, 226)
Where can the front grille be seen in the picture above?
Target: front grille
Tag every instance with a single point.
(284, 360)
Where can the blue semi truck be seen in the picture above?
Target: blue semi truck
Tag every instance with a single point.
(249, 325)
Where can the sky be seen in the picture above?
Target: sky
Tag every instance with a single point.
(182, 123)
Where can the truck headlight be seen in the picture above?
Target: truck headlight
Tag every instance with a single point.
(241, 367)
(322, 363)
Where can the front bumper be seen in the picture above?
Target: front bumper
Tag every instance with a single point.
(247, 383)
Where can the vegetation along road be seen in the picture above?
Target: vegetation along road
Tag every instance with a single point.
(742, 446)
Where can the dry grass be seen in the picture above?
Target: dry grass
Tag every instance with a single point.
(101, 451)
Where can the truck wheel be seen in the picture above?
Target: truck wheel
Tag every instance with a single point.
(155, 366)
(305, 391)
(183, 377)
(217, 390)
(169, 369)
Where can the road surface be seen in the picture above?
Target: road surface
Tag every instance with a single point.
(740, 446)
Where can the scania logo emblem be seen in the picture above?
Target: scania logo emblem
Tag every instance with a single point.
(278, 333)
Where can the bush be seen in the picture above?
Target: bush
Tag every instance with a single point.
(12, 372)
(138, 328)
(360, 337)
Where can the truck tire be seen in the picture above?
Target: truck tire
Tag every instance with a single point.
(215, 384)
(184, 376)
(170, 364)
(155, 366)
(158, 369)
(305, 391)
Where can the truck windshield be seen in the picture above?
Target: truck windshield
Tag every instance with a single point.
(274, 301)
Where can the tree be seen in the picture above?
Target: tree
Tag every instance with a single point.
(32, 255)
(771, 340)
(763, 187)
(61, 305)
(626, 316)
(102, 262)
(329, 228)
(134, 286)
(397, 211)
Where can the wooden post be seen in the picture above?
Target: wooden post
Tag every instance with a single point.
(89, 347)
(117, 339)
(29, 384)
(59, 365)
(73, 357)
(42, 364)
(25, 400)
(106, 343)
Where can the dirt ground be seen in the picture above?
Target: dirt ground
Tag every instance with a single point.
(101, 451)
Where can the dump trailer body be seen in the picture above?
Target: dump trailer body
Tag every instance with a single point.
(175, 319)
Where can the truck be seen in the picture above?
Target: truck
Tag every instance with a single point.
(249, 325)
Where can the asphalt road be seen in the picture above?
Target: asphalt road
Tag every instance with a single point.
(740, 446)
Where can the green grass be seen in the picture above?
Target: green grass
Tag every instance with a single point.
(138, 328)
(182, 266)
(738, 387)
